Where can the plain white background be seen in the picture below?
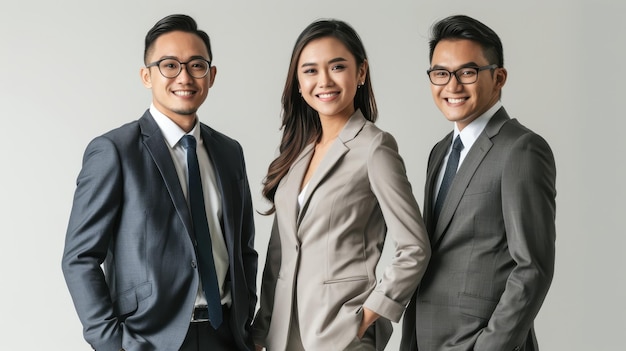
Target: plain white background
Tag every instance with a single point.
(69, 71)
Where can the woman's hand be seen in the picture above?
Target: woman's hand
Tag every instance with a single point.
(258, 347)
(369, 317)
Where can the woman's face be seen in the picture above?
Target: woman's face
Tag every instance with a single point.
(328, 77)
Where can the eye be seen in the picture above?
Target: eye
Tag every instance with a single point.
(338, 67)
(198, 65)
(309, 71)
(440, 73)
(169, 65)
(467, 72)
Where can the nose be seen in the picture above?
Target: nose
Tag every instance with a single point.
(184, 73)
(324, 79)
(453, 84)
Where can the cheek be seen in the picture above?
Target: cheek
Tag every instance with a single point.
(435, 91)
(304, 83)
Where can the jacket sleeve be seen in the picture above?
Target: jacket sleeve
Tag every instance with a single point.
(97, 201)
(263, 316)
(405, 226)
(250, 256)
(528, 206)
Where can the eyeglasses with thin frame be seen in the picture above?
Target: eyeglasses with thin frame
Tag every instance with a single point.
(171, 67)
(464, 75)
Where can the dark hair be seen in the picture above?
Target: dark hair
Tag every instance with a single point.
(464, 27)
(173, 23)
(300, 123)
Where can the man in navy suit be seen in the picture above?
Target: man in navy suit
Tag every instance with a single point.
(131, 254)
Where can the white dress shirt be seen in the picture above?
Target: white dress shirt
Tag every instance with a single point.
(469, 135)
(172, 134)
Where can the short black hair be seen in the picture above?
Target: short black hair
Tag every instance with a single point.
(171, 23)
(465, 27)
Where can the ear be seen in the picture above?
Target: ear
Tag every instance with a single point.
(146, 78)
(362, 73)
(212, 73)
(500, 77)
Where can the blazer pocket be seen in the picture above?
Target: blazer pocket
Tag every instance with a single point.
(346, 280)
(128, 301)
(475, 306)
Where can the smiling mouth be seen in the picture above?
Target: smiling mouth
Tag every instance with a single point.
(455, 101)
(326, 95)
(184, 93)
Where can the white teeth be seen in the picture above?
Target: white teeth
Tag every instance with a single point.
(183, 93)
(455, 101)
(325, 96)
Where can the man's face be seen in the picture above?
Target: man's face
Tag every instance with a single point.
(180, 97)
(463, 103)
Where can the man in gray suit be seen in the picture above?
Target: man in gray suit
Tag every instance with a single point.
(493, 233)
(132, 216)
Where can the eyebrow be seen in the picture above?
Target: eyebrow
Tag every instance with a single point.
(335, 60)
(190, 58)
(465, 65)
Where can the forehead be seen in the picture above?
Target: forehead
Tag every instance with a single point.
(456, 52)
(323, 49)
(178, 44)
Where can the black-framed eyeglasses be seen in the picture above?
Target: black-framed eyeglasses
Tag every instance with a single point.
(171, 68)
(464, 75)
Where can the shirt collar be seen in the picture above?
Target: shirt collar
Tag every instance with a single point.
(470, 133)
(170, 130)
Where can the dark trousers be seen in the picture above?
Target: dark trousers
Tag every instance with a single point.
(202, 337)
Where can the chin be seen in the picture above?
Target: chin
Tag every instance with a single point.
(188, 111)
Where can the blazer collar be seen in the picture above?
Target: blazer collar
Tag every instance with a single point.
(335, 153)
(465, 173)
(220, 161)
(158, 150)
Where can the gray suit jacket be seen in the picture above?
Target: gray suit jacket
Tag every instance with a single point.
(493, 245)
(130, 214)
(323, 258)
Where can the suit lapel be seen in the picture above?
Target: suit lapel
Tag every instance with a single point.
(467, 170)
(292, 184)
(436, 158)
(336, 152)
(219, 162)
(155, 144)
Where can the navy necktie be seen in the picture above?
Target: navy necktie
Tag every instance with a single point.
(448, 176)
(201, 231)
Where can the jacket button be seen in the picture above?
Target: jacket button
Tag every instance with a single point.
(193, 264)
(297, 248)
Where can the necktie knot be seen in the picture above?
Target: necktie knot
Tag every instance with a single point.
(188, 142)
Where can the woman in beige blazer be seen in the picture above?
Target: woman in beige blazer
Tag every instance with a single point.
(338, 187)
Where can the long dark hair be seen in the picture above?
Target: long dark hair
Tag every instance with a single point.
(300, 123)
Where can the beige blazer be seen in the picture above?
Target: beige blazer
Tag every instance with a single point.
(323, 258)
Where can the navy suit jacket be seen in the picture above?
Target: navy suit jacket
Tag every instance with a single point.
(129, 259)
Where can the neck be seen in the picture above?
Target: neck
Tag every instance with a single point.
(331, 127)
